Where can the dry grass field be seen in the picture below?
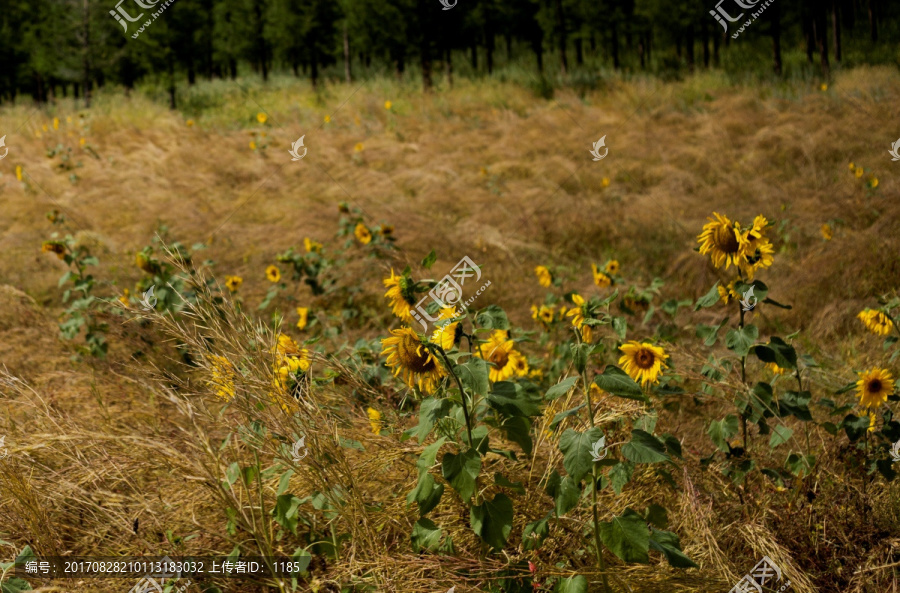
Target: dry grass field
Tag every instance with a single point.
(126, 454)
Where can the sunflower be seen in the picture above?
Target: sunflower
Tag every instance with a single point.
(776, 370)
(312, 246)
(536, 374)
(852, 167)
(827, 232)
(291, 363)
(303, 313)
(189, 123)
(233, 283)
(521, 366)
(545, 278)
(859, 172)
(872, 420)
(363, 235)
(386, 230)
(600, 278)
(721, 240)
(577, 314)
(57, 247)
(401, 294)
(758, 251)
(222, 377)
(876, 321)
(642, 361)
(544, 314)
(728, 293)
(18, 172)
(874, 386)
(146, 263)
(273, 274)
(411, 360)
(374, 420)
(604, 182)
(124, 299)
(873, 183)
(447, 335)
(612, 267)
(501, 353)
(327, 119)
(387, 105)
(359, 147)
(252, 145)
(262, 117)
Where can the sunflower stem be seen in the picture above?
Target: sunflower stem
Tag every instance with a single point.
(462, 394)
(598, 544)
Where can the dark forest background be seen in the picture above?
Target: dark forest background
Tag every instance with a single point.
(51, 48)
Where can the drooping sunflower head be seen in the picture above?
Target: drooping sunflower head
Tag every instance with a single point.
(411, 360)
(577, 312)
(312, 246)
(545, 278)
(612, 267)
(303, 317)
(401, 293)
(446, 335)
(273, 274)
(57, 247)
(721, 240)
(642, 361)
(874, 386)
(501, 353)
(362, 233)
(876, 321)
(600, 278)
(776, 370)
(233, 283)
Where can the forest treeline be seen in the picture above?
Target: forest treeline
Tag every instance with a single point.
(50, 48)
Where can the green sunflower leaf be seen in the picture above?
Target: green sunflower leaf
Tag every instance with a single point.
(780, 435)
(461, 470)
(620, 475)
(576, 448)
(567, 496)
(427, 494)
(561, 388)
(627, 536)
(492, 521)
(563, 415)
(425, 535)
(720, 431)
(575, 584)
(429, 260)
(779, 352)
(492, 317)
(644, 448)
(617, 382)
(709, 299)
(670, 545)
(740, 340)
(474, 376)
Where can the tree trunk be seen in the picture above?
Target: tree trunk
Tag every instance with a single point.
(561, 26)
(171, 68)
(448, 60)
(776, 36)
(717, 39)
(260, 39)
(704, 35)
(836, 29)
(615, 44)
(689, 45)
(489, 47)
(579, 58)
(821, 30)
(537, 46)
(347, 76)
(86, 57)
(641, 51)
(873, 21)
(314, 67)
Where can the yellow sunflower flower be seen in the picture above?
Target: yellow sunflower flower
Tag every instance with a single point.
(546, 314)
(56, 247)
(874, 386)
(374, 420)
(273, 274)
(859, 172)
(446, 335)
(359, 147)
(262, 117)
(604, 182)
(124, 299)
(363, 235)
(852, 167)
(388, 105)
(252, 145)
(758, 251)
(600, 278)
(55, 123)
(222, 377)
(18, 172)
(233, 283)
(612, 267)
(400, 293)
(327, 119)
(728, 293)
(545, 278)
(876, 321)
(521, 366)
(827, 232)
(189, 123)
(82, 141)
(577, 314)
(501, 353)
(303, 313)
(873, 183)
(642, 361)
(721, 240)
(312, 246)
(776, 370)
(872, 421)
(411, 360)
